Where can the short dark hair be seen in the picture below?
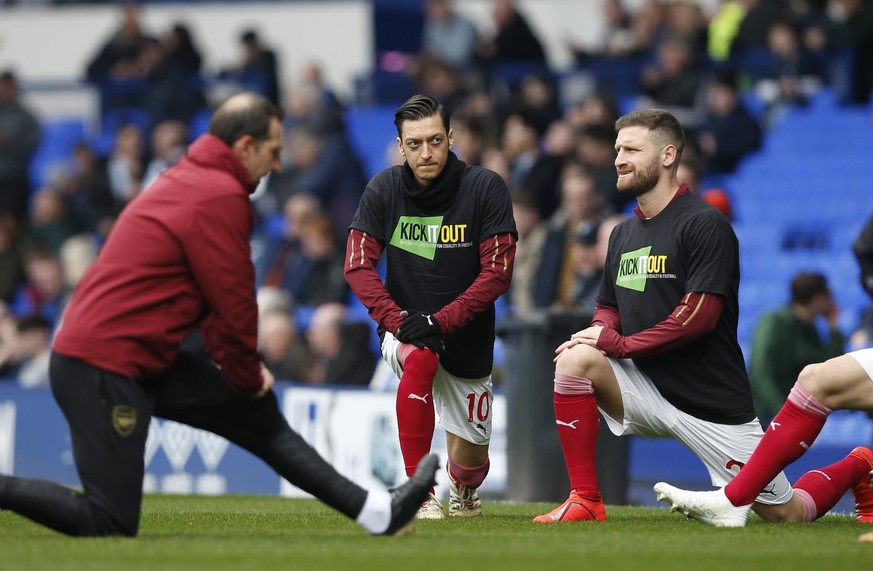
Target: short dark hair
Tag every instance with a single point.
(248, 37)
(420, 107)
(33, 322)
(244, 114)
(7, 75)
(805, 286)
(661, 123)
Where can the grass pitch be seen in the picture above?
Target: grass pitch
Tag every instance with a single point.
(266, 533)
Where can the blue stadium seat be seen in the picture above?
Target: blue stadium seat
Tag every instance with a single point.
(371, 130)
(113, 121)
(57, 139)
(199, 124)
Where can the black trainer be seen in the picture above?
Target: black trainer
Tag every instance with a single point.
(406, 499)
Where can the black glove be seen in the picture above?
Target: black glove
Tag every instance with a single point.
(418, 325)
(435, 344)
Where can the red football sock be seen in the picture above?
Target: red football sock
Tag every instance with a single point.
(826, 486)
(415, 413)
(578, 422)
(469, 477)
(787, 438)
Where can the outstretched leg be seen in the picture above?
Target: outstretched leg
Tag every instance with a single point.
(839, 383)
(194, 392)
(108, 417)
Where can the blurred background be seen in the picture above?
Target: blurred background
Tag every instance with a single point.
(97, 98)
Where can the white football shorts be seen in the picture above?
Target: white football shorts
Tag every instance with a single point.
(463, 406)
(865, 359)
(723, 448)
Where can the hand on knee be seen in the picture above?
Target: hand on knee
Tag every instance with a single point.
(421, 363)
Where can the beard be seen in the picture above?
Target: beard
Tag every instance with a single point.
(642, 181)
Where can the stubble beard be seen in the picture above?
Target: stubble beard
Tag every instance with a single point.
(641, 182)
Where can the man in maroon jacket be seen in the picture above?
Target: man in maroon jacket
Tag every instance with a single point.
(179, 258)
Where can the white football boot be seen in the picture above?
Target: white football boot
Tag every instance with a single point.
(463, 501)
(432, 508)
(712, 508)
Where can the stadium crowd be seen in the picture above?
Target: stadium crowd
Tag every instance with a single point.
(728, 76)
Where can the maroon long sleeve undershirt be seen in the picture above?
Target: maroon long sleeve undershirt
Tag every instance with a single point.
(497, 254)
(694, 317)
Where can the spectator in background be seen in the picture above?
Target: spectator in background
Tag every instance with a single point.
(32, 352)
(537, 99)
(44, 292)
(684, 21)
(117, 57)
(689, 173)
(472, 136)
(851, 28)
(279, 261)
(514, 40)
(615, 38)
(596, 109)
(587, 270)
(11, 267)
(675, 82)
(862, 248)
(77, 254)
(310, 102)
(581, 202)
(532, 231)
(170, 68)
(117, 62)
(448, 36)
(520, 143)
(50, 221)
(728, 132)
(258, 68)
(180, 50)
(722, 29)
(283, 351)
(8, 343)
(794, 75)
(532, 167)
(19, 139)
(529, 167)
(649, 26)
(596, 151)
(787, 339)
(495, 160)
(169, 143)
(438, 78)
(323, 281)
(124, 166)
(760, 15)
(88, 191)
(325, 165)
(341, 347)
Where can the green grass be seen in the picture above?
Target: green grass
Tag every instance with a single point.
(265, 533)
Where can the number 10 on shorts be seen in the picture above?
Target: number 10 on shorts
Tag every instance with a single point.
(480, 405)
